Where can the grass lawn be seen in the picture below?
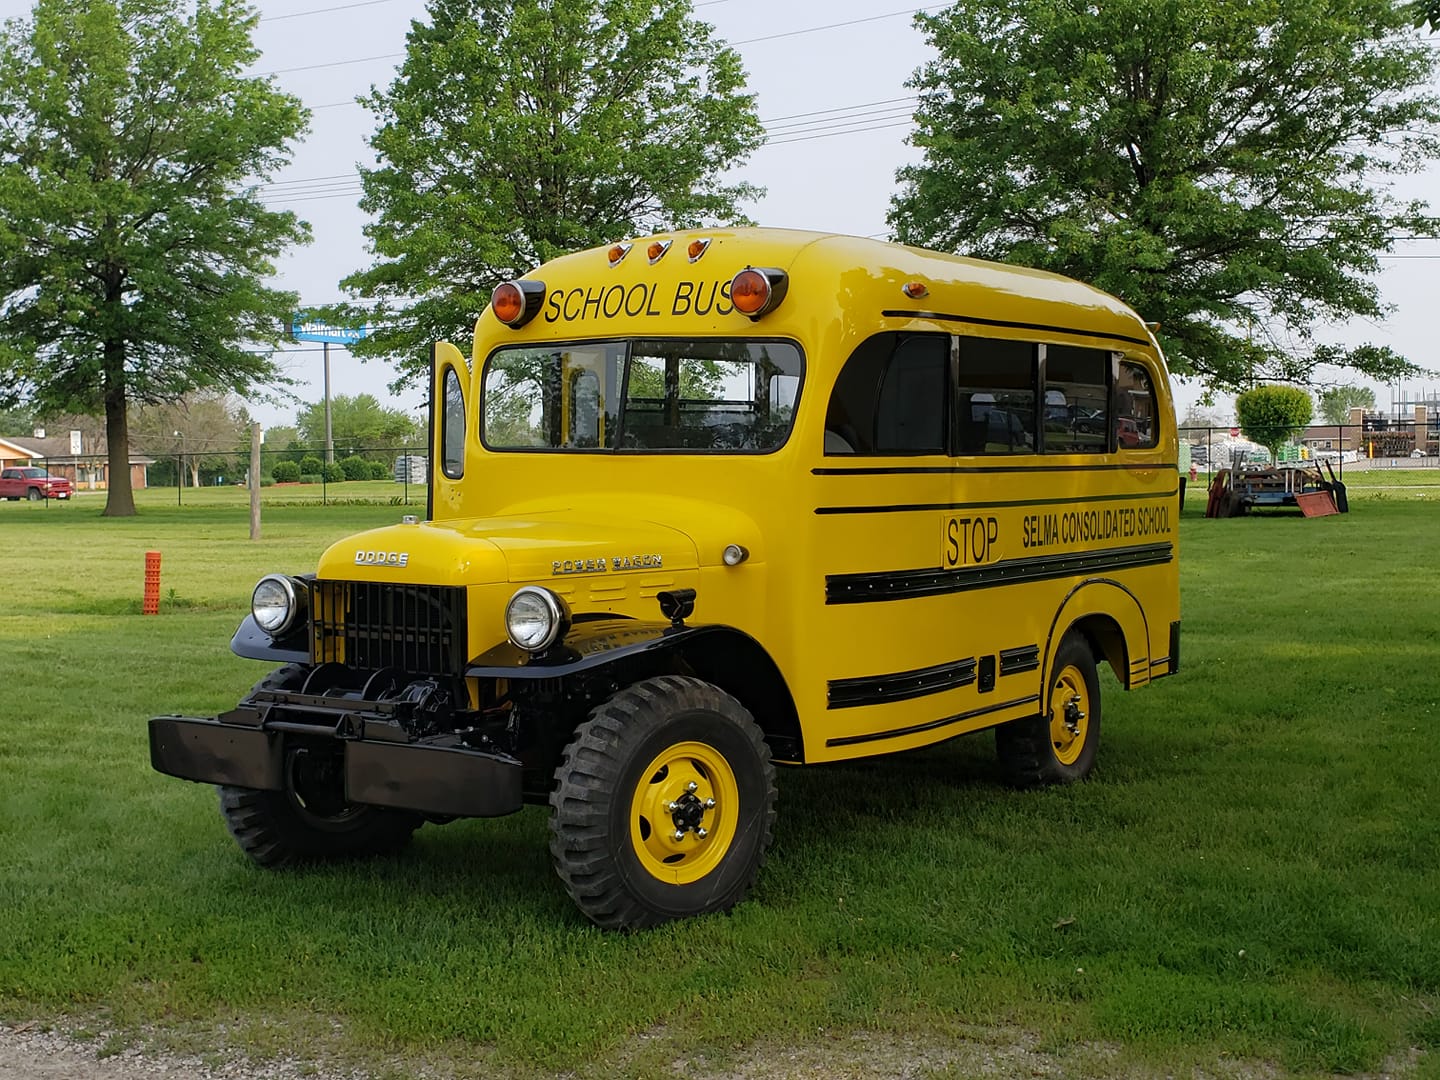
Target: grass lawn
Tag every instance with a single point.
(1253, 875)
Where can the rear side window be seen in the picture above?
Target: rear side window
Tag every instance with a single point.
(1077, 400)
(891, 397)
(1135, 416)
(995, 397)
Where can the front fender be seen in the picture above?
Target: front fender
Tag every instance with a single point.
(255, 644)
(590, 644)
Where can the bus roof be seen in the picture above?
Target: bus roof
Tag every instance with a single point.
(592, 293)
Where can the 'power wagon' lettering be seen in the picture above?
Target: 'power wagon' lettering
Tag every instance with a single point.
(603, 564)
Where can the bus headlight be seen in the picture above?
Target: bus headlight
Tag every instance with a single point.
(275, 604)
(536, 618)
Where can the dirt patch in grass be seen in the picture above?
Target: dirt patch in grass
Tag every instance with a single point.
(35, 1051)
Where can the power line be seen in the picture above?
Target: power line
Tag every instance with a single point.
(746, 41)
(837, 26)
(324, 10)
(795, 127)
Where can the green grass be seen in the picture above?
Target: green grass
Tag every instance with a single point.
(1254, 873)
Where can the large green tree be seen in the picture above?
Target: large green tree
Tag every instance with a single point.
(203, 429)
(358, 424)
(1218, 165)
(1337, 401)
(520, 129)
(133, 245)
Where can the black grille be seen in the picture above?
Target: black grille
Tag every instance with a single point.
(417, 629)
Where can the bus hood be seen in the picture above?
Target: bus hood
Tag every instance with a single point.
(479, 551)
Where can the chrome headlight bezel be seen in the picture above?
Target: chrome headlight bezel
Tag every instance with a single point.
(532, 601)
(292, 605)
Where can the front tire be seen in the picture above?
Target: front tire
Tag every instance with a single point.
(663, 806)
(1058, 746)
(33, 494)
(310, 820)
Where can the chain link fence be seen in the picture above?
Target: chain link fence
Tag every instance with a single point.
(302, 475)
(1377, 443)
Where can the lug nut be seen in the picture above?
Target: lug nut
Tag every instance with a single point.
(691, 786)
(709, 804)
(672, 807)
(679, 834)
(701, 833)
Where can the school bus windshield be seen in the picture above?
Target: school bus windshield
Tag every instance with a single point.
(696, 396)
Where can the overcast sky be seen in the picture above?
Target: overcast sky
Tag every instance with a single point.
(829, 78)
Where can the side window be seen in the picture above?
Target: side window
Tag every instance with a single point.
(452, 428)
(890, 398)
(995, 397)
(1136, 427)
(1077, 400)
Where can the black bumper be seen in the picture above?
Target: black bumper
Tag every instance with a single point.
(434, 777)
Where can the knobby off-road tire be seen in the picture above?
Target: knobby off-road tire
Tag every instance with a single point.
(667, 755)
(1058, 746)
(309, 821)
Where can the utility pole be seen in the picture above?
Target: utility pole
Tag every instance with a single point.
(329, 437)
(254, 481)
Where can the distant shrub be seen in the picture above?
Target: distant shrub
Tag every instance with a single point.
(285, 472)
(311, 464)
(332, 472)
(310, 478)
(356, 468)
(378, 471)
(266, 481)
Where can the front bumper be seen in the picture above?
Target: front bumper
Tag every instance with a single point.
(383, 765)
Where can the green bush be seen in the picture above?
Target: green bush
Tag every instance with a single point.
(285, 472)
(332, 472)
(355, 468)
(311, 464)
(266, 481)
(1273, 415)
(310, 478)
(378, 471)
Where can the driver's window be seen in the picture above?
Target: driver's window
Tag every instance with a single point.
(452, 428)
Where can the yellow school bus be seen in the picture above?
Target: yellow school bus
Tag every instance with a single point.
(700, 504)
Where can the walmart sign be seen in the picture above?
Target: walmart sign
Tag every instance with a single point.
(304, 328)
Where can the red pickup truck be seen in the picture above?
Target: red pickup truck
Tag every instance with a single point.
(28, 482)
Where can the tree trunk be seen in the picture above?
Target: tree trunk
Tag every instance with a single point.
(119, 497)
(194, 466)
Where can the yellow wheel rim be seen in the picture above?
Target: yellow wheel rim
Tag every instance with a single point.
(684, 812)
(1069, 715)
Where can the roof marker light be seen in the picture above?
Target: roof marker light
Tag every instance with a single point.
(758, 290)
(656, 251)
(697, 248)
(515, 303)
(618, 252)
(915, 290)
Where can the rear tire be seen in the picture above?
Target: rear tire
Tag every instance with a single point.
(1059, 745)
(310, 820)
(663, 806)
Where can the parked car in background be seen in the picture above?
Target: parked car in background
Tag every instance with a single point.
(29, 482)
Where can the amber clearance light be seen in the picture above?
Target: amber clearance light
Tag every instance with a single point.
(758, 290)
(515, 303)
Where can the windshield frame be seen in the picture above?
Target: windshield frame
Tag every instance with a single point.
(627, 342)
